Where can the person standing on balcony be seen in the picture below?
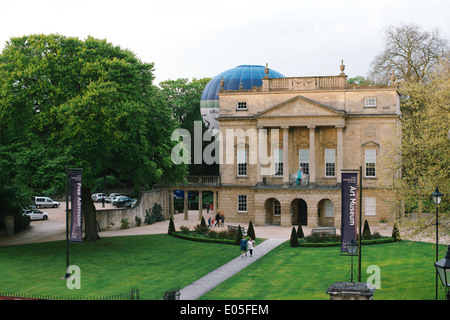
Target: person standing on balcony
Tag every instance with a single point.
(299, 176)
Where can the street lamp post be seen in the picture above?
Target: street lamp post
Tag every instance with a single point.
(443, 270)
(437, 197)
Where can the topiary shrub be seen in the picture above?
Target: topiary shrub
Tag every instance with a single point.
(300, 233)
(238, 235)
(396, 233)
(294, 239)
(366, 230)
(171, 226)
(251, 231)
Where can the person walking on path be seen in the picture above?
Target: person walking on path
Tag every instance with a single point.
(243, 246)
(217, 220)
(250, 246)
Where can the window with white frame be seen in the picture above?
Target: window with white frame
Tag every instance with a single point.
(241, 162)
(370, 102)
(370, 161)
(241, 105)
(370, 206)
(330, 163)
(303, 160)
(278, 156)
(242, 203)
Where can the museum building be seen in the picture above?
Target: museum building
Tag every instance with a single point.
(272, 126)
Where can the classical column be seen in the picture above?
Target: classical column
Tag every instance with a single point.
(260, 149)
(285, 154)
(186, 204)
(312, 154)
(340, 153)
(172, 206)
(215, 209)
(200, 205)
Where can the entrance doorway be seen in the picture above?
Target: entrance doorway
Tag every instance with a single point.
(299, 212)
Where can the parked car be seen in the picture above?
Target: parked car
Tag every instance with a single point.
(97, 197)
(120, 200)
(111, 197)
(130, 204)
(35, 214)
(45, 202)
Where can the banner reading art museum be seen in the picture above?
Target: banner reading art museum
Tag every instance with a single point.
(348, 207)
(76, 216)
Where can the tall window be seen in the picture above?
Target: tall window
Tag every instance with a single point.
(330, 163)
(276, 207)
(370, 156)
(241, 162)
(278, 155)
(328, 208)
(242, 203)
(303, 156)
(370, 206)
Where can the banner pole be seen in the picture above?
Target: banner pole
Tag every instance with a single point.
(360, 223)
(67, 275)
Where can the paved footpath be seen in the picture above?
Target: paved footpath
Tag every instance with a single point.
(198, 288)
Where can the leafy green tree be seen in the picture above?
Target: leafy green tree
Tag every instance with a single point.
(88, 104)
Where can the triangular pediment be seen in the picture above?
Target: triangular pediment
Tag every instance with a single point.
(300, 106)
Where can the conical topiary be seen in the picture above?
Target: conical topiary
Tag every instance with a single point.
(171, 226)
(300, 233)
(294, 239)
(239, 235)
(366, 229)
(251, 230)
(396, 233)
(203, 223)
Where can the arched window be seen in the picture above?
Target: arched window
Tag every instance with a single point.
(328, 208)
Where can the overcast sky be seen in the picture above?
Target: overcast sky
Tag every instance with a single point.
(202, 38)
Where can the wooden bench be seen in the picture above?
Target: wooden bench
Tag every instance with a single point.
(324, 230)
(235, 228)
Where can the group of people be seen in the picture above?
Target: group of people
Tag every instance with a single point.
(219, 220)
(247, 245)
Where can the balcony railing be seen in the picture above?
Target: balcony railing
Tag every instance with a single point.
(308, 83)
(203, 180)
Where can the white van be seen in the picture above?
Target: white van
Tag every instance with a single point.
(44, 202)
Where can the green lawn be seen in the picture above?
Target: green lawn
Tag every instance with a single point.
(406, 273)
(153, 264)
(156, 263)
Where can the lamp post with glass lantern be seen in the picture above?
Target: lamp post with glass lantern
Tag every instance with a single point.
(437, 197)
(443, 270)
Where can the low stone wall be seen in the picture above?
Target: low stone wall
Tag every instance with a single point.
(111, 219)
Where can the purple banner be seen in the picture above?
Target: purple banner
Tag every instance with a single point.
(348, 207)
(76, 216)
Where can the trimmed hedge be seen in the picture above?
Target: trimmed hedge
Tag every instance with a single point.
(201, 239)
(337, 244)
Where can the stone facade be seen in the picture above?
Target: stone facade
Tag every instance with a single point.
(320, 123)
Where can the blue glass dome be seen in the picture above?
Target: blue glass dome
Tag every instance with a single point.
(247, 76)
(250, 76)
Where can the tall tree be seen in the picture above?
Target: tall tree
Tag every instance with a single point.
(409, 52)
(424, 149)
(87, 104)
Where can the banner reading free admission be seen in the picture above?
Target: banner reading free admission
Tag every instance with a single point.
(75, 195)
(348, 207)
